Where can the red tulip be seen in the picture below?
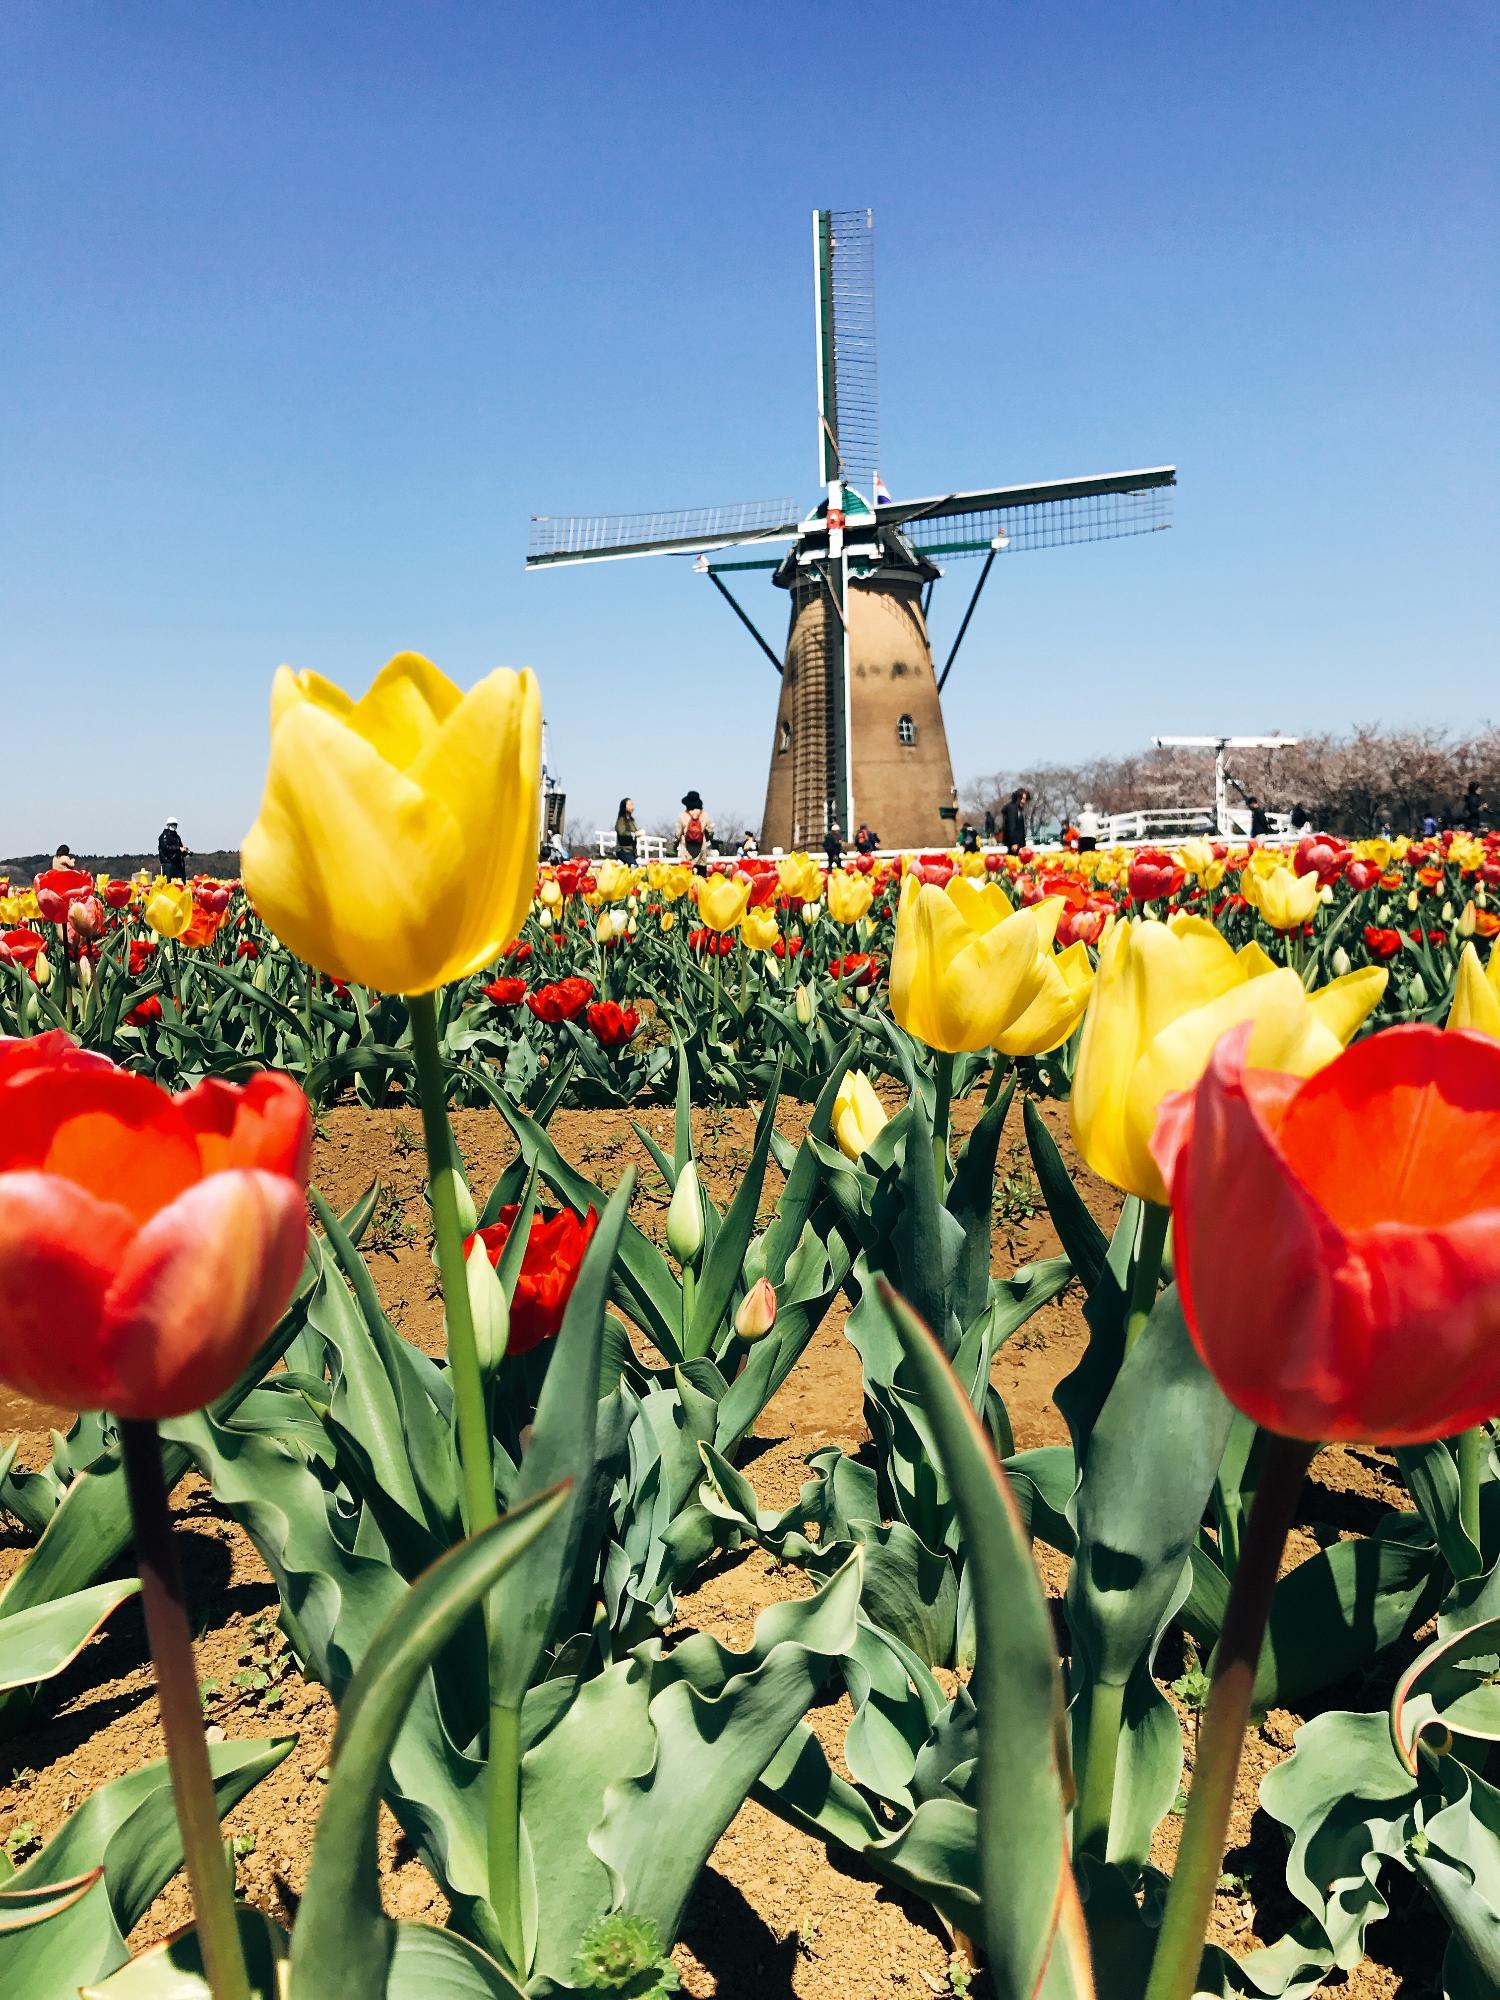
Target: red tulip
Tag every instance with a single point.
(505, 992)
(1338, 1238)
(116, 894)
(1382, 944)
(85, 919)
(1154, 875)
(142, 951)
(1361, 875)
(563, 1000)
(1320, 854)
(147, 1242)
(856, 968)
(145, 1011)
(549, 1270)
(1084, 926)
(58, 888)
(612, 1024)
(519, 950)
(21, 946)
(247, 948)
(212, 896)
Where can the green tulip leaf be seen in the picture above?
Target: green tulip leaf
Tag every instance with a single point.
(343, 1943)
(1452, 1687)
(36, 1644)
(1084, 1242)
(173, 1970)
(1031, 1918)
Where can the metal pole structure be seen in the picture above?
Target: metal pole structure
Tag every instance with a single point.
(848, 818)
(984, 576)
(1221, 793)
(744, 617)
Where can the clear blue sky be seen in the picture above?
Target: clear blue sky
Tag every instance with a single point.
(306, 307)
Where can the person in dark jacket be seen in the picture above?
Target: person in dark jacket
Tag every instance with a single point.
(1013, 818)
(833, 846)
(968, 839)
(1260, 826)
(866, 840)
(626, 832)
(171, 853)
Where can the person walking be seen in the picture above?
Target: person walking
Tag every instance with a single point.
(1474, 813)
(1090, 826)
(866, 841)
(833, 846)
(989, 826)
(695, 833)
(626, 832)
(171, 853)
(1013, 818)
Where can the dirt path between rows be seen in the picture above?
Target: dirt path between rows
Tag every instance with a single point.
(774, 1916)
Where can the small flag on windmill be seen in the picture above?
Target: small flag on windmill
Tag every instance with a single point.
(882, 495)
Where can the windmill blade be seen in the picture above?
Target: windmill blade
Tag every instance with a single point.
(577, 538)
(844, 278)
(1045, 516)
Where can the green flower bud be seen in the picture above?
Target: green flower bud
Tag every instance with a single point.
(488, 1304)
(685, 1217)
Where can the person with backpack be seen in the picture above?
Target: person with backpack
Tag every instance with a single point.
(695, 832)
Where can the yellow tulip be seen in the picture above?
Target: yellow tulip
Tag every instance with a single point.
(858, 1115)
(1195, 856)
(550, 893)
(1163, 995)
(722, 901)
(1476, 996)
(616, 880)
(670, 880)
(611, 924)
(397, 836)
(800, 877)
(849, 896)
(760, 930)
(965, 967)
(169, 909)
(10, 910)
(1284, 899)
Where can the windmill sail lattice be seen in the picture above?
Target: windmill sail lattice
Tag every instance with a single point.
(859, 726)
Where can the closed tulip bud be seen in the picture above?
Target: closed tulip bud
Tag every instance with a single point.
(632, 928)
(1416, 992)
(545, 920)
(858, 1115)
(85, 973)
(1342, 963)
(1413, 901)
(811, 912)
(685, 1217)
(1383, 915)
(550, 894)
(1447, 913)
(756, 1314)
(803, 1006)
(41, 969)
(488, 1304)
(1476, 993)
(1468, 921)
(260, 979)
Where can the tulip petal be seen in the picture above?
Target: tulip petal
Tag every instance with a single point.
(1476, 993)
(403, 708)
(112, 1133)
(1345, 1004)
(199, 1288)
(265, 1123)
(485, 764)
(59, 1248)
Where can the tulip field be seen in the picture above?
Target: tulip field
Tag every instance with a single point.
(588, 1429)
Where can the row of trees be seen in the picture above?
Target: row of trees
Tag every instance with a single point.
(1359, 783)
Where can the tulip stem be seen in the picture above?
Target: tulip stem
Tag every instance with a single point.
(182, 1713)
(474, 1442)
(1179, 1945)
(1096, 1795)
(1150, 1245)
(475, 1452)
(999, 1071)
(1472, 1445)
(942, 1078)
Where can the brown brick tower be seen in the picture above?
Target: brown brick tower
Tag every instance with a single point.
(901, 774)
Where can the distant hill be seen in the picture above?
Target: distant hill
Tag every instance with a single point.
(222, 861)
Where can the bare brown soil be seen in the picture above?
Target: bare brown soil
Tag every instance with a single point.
(774, 1916)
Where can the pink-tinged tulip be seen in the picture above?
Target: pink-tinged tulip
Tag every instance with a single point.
(756, 1313)
(57, 889)
(148, 1243)
(1338, 1238)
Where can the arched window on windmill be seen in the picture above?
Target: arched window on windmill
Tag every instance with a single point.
(784, 737)
(906, 732)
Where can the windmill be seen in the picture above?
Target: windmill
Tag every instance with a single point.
(859, 724)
